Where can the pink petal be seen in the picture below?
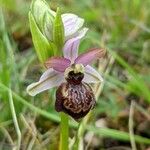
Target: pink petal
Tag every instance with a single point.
(49, 79)
(91, 75)
(89, 56)
(57, 63)
(70, 49)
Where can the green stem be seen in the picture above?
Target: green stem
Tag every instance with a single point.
(80, 132)
(15, 119)
(64, 134)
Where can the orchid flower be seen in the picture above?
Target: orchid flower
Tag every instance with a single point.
(72, 75)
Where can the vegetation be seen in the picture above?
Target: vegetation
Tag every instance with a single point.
(121, 118)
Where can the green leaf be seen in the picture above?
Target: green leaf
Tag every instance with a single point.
(44, 17)
(58, 30)
(44, 49)
(115, 134)
(5, 123)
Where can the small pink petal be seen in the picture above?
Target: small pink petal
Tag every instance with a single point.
(91, 75)
(49, 79)
(57, 63)
(89, 56)
(70, 49)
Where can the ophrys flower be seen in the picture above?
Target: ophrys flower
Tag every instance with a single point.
(71, 74)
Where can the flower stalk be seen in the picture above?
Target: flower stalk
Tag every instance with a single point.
(64, 131)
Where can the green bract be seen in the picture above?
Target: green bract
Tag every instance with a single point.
(58, 30)
(44, 17)
(43, 24)
(43, 47)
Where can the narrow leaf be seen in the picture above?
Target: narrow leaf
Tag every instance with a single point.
(44, 49)
(58, 30)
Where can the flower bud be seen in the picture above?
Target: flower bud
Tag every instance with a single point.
(44, 17)
(47, 26)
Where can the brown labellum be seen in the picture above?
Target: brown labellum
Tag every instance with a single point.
(74, 97)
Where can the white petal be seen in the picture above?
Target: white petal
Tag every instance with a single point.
(49, 79)
(70, 49)
(81, 33)
(91, 75)
(72, 23)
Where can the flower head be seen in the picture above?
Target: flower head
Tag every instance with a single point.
(71, 74)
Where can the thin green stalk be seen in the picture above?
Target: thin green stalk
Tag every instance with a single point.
(124, 136)
(64, 133)
(15, 119)
(6, 123)
(80, 132)
(131, 124)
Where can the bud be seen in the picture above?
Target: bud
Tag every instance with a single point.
(44, 17)
(47, 26)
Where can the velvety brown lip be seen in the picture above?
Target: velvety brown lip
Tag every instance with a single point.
(74, 97)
